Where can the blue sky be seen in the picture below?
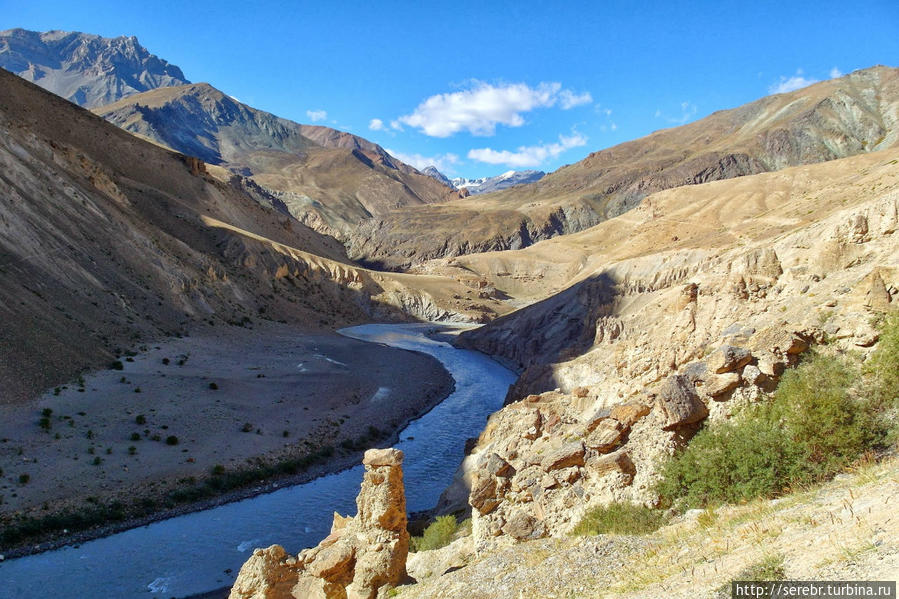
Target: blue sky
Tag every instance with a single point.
(479, 88)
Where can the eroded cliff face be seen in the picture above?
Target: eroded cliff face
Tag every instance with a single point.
(624, 366)
(362, 555)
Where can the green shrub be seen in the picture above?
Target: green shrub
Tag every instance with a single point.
(438, 534)
(24, 478)
(882, 367)
(810, 430)
(140, 419)
(117, 365)
(171, 440)
(814, 404)
(620, 518)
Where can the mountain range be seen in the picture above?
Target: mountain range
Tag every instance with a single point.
(854, 114)
(108, 239)
(486, 184)
(328, 179)
(498, 182)
(645, 291)
(86, 69)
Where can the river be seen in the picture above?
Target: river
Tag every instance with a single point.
(203, 551)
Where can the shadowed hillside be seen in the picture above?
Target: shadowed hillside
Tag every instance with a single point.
(108, 241)
(326, 178)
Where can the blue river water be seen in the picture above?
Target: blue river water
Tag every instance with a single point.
(190, 554)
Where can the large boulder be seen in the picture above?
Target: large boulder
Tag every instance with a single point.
(570, 454)
(266, 575)
(680, 403)
(728, 358)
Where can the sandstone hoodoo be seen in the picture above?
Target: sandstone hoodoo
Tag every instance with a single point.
(361, 555)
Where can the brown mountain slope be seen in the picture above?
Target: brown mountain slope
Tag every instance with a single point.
(329, 179)
(785, 246)
(833, 119)
(107, 241)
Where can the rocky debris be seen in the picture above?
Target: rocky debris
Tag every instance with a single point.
(422, 565)
(523, 526)
(361, 555)
(484, 497)
(778, 340)
(728, 358)
(678, 400)
(266, 575)
(613, 462)
(629, 413)
(570, 454)
(718, 384)
(606, 436)
(542, 462)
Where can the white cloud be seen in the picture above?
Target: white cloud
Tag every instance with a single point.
(568, 99)
(481, 108)
(317, 115)
(376, 125)
(789, 84)
(835, 72)
(396, 126)
(528, 155)
(442, 162)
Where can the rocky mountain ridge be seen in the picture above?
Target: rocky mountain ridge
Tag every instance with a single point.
(327, 179)
(497, 182)
(86, 69)
(689, 307)
(109, 239)
(854, 114)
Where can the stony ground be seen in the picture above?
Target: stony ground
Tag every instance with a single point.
(844, 530)
(228, 395)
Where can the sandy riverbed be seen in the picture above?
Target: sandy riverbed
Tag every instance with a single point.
(229, 394)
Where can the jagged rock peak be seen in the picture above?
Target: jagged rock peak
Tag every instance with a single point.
(432, 171)
(84, 68)
(361, 555)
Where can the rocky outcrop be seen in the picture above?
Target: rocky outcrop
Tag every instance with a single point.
(543, 461)
(84, 68)
(360, 556)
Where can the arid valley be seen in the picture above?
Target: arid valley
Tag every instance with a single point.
(668, 365)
